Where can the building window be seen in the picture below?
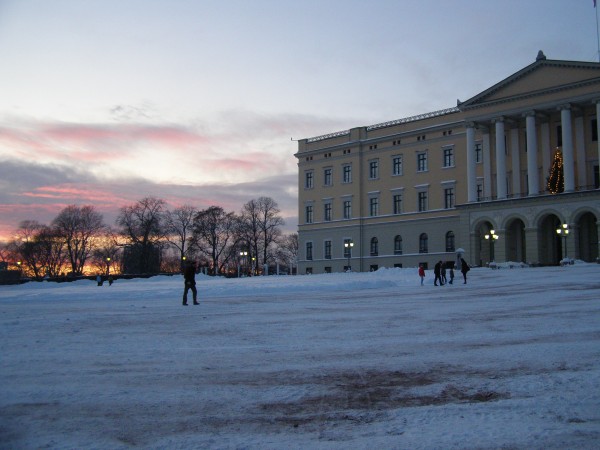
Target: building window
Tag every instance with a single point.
(347, 209)
(422, 206)
(327, 212)
(397, 165)
(327, 249)
(449, 198)
(398, 245)
(309, 214)
(594, 130)
(374, 169)
(478, 153)
(397, 207)
(479, 192)
(449, 157)
(327, 177)
(309, 251)
(422, 162)
(450, 241)
(309, 179)
(327, 269)
(374, 206)
(347, 174)
(374, 246)
(423, 243)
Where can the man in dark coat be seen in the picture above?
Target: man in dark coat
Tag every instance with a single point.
(464, 268)
(189, 277)
(437, 271)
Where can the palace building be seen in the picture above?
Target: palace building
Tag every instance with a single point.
(510, 175)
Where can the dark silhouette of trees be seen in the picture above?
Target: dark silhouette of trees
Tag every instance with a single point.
(287, 250)
(40, 249)
(142, 224)
(147, 235)
(261, 226)
(78, 226)
(179, 229)
(215, 233)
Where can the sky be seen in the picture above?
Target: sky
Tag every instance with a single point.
(372, 360)
(201, 102)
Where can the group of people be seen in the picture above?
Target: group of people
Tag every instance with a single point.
(439, 272)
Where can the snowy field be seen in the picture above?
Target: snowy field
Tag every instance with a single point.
(510, 360)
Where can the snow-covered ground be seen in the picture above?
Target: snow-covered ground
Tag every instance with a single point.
(360, 360)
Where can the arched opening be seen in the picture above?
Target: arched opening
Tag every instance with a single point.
(515, 241)
(550, 243)
(586, 243)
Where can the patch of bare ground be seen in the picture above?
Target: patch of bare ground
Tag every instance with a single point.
(363, 396)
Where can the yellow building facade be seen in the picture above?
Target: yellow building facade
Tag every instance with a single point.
(417, 190)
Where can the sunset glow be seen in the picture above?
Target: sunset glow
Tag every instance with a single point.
(109, 102)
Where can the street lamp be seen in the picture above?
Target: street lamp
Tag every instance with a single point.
(348, 245)
(563, 231)
(108, 266)
(492, 237)
(243, 258)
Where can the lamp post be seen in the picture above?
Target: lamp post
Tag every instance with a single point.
(108, 266)
(492, 237)
(242, 259)
(563, 231)
(348, 245)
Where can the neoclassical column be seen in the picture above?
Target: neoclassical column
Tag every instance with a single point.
(500, 159)
(598, 134)
(580, 151)
(487, 164)
(471, 164)
(533, 183)
(567, 145)
(515, 151)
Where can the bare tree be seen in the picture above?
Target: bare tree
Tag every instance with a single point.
(107, 254)
(78, 226)
(40, 249)
(143, 225)
(179, 227)
(261, 225)
(26, 248)
(53, 254)
(288, 250)
(215, 230)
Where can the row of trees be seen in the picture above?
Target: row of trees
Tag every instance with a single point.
(149, 238)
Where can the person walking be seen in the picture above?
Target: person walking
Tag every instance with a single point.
(189, 277)
(437, 271)
(464, 268)
(451, 273)
(443, 278)
(421, 273)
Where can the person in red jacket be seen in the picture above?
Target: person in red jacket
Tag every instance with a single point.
(421, 273)
(189, 277)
